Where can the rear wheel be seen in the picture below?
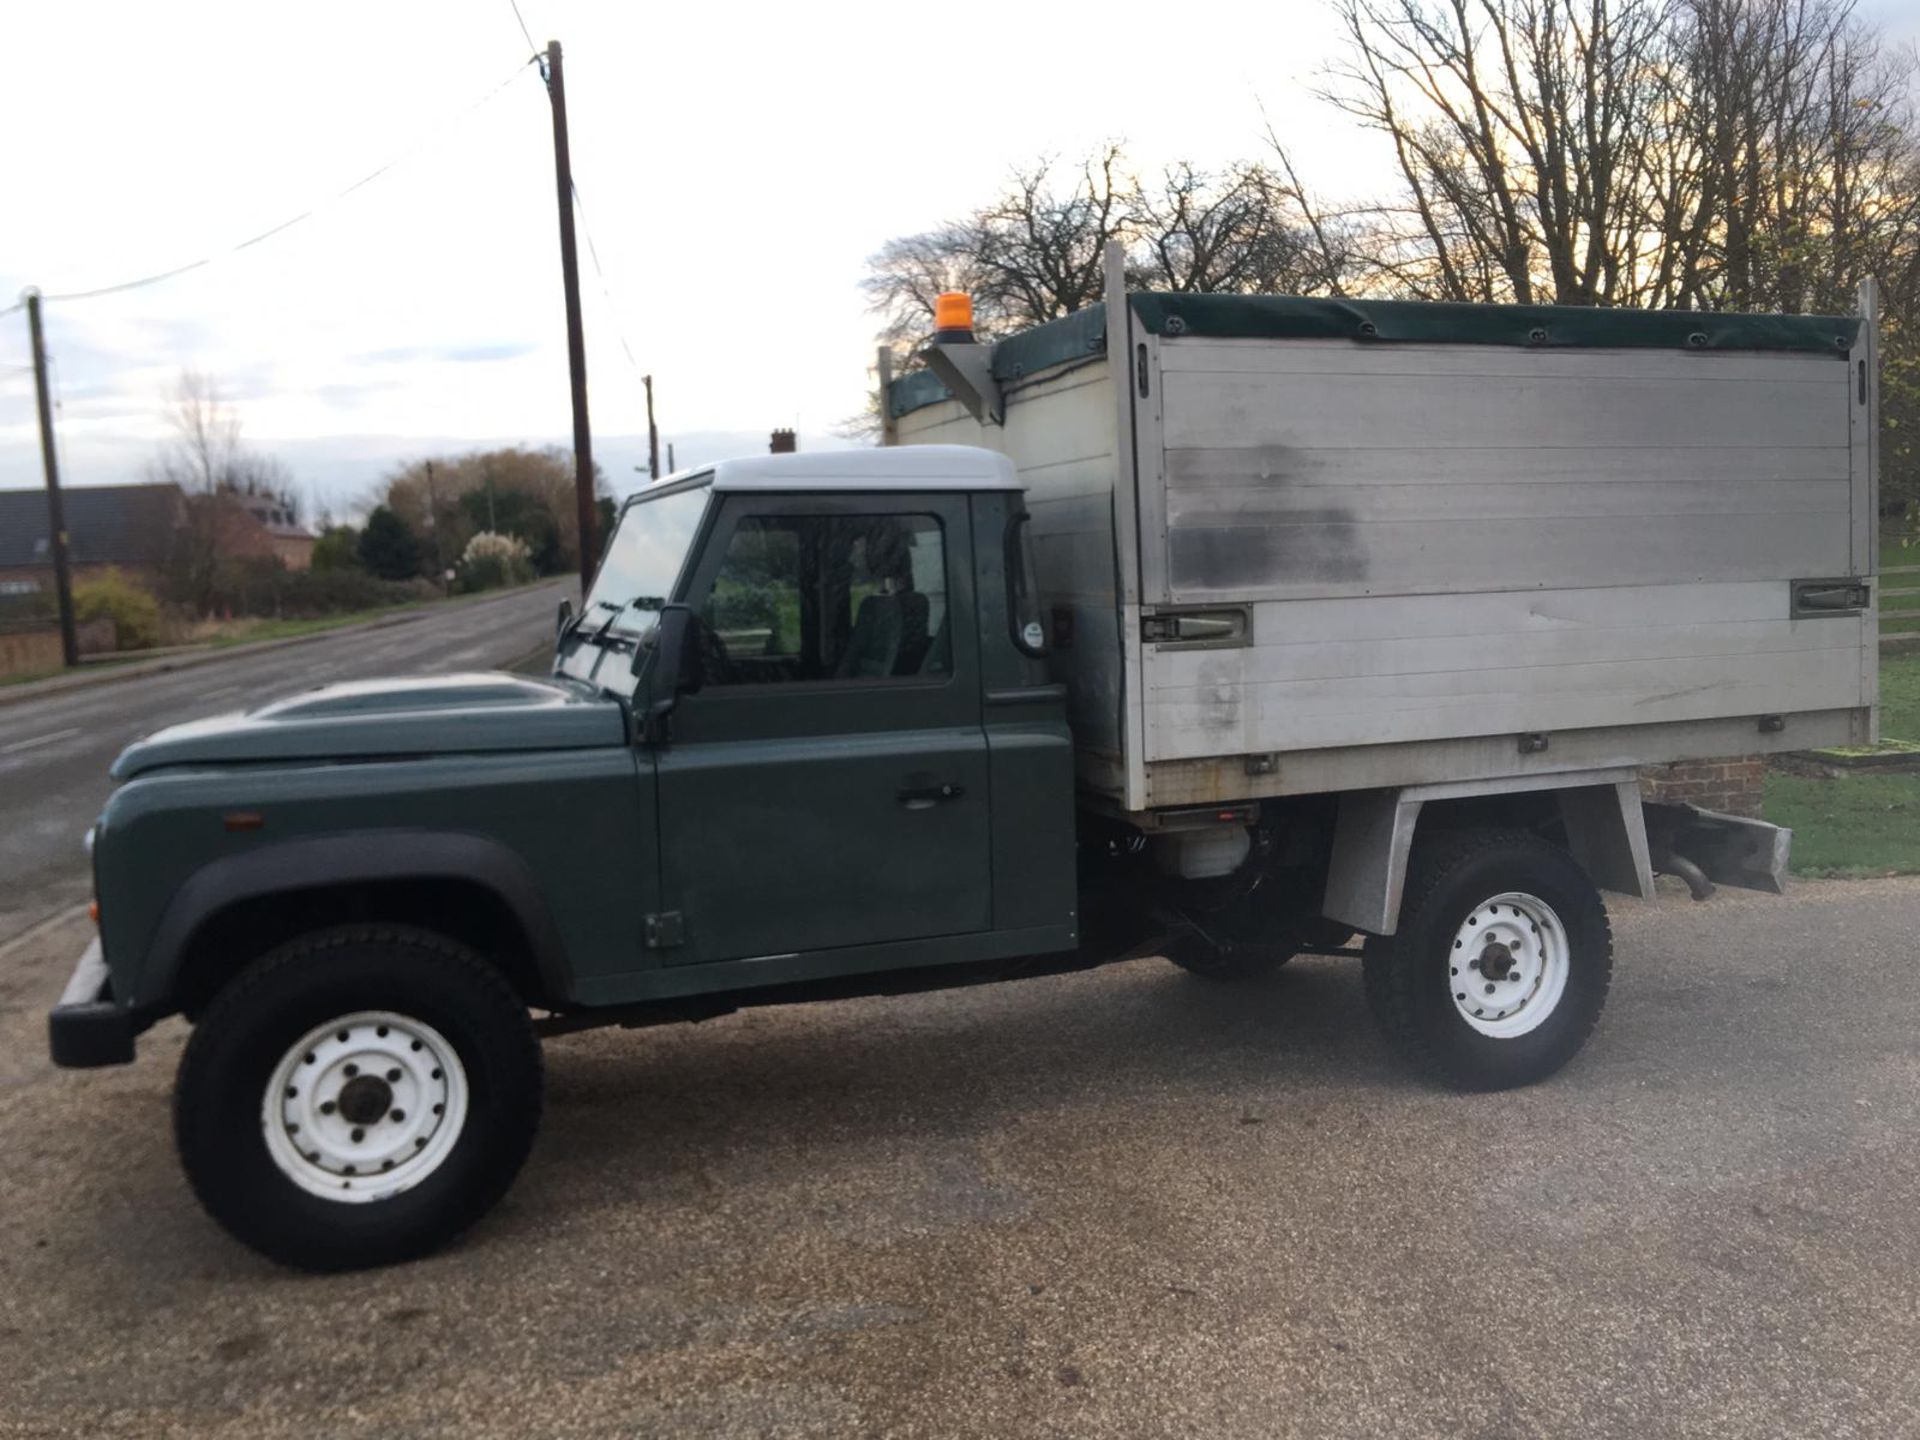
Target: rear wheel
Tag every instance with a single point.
(357, 1097)
(1500, 967)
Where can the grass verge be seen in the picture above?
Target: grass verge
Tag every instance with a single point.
(1900, 697)
(30, 676)
(1853, 825)
(1862, 822)
(249, 632)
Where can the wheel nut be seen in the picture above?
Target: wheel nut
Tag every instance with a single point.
(359, 1135)
(398, 1116)
(352, 1070)
(1489, 989)
(393, 1076)
(326, 1107)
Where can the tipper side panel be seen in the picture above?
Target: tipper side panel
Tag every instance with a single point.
(1444, 541)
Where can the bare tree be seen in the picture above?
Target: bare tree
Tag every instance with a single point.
(1031, 255)
(206, 457)
(527, 493)
(1037, 251)
(1232, 231)
(204, 450)
(1693, 154)
(1518, 127)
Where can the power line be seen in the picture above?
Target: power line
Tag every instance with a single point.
(288, 224)
(593, 254)
(523, 24)
(580, 206)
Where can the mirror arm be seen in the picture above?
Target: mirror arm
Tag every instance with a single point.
(669, 652)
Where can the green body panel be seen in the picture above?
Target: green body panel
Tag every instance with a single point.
(418, 716)
(780, 808)
(581, 820)
(1029, 748)
(761, 836)
(781, 845)
(1293, 317)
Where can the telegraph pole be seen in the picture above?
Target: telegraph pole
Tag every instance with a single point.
(56, 511)
(576, 341)
(653, 435)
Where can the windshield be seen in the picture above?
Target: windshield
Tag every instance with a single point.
(642, 561)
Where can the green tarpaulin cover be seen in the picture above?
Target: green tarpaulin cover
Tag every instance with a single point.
(1375, 322)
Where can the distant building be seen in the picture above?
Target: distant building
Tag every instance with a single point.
(127, 527)
(282, 534)
(134, 528)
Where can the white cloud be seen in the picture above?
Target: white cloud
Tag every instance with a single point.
(737, 162)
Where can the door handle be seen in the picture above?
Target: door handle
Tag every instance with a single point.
(928, 796)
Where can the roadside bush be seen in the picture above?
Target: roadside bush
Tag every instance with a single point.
(388, 547)
(134, 612)
(262, 586)
(338, 548)
(492, 561)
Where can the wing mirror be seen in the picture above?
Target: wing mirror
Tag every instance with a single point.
(672, 658)
(563, 619)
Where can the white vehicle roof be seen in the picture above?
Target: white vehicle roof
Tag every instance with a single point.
(894, 467)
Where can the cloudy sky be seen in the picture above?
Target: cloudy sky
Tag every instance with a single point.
(737, 164)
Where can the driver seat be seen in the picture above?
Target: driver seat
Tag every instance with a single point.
(874, 643)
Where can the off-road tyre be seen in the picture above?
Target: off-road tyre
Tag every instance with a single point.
(1414, 976)
(221, 1119)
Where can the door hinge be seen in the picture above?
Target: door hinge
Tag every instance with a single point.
(666, 930)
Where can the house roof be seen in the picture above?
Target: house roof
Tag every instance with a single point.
(274, 517)
(106, 524)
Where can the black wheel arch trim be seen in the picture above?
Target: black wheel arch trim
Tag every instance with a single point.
(354, 857)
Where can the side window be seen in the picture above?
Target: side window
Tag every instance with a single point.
(824, 598)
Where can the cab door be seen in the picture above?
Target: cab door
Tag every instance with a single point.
(827, 786)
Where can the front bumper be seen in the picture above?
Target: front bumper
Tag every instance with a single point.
(88, 1028)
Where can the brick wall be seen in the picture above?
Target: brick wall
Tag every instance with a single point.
(1731, 785)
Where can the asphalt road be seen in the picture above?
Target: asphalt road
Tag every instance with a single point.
(54, 750)
(1120, 1203)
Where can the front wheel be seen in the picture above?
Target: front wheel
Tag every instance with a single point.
(1500, 967)
(357, 1097)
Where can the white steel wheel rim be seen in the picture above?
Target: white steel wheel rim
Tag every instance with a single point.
(1508, 965)
(365, 1106)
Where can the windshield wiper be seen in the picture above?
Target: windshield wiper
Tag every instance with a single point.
(581, 618)
(614, 612)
